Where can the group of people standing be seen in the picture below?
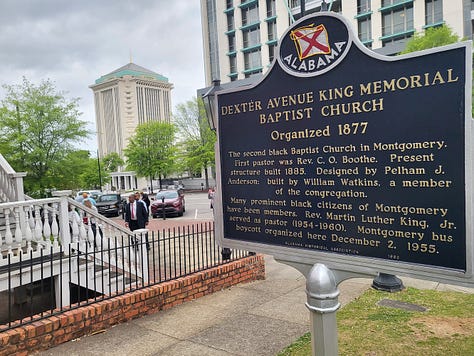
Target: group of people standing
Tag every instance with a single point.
(136, 213)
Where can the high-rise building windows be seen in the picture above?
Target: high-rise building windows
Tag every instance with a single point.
(250, 15)
(363, 6)
(364, 22)
(231, 39)
(392, 2)
(272, 31)
(365, 29)
(252, 60)
(272, 38)
(251, 37)
(271, 52)
(397, 23)
(233, 67)
(233, 64)
(433, 12)
(271, 8)
(336, 6)
(230, 21)
(398, 20)
(382, 25)
(295, 3)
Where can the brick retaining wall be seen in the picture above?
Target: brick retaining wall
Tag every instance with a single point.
(55, 330)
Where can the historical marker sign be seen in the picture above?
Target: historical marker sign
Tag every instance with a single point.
(342, 156)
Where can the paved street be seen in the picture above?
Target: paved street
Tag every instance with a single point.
(197, 210)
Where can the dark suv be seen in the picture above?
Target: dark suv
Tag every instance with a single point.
(109, 204)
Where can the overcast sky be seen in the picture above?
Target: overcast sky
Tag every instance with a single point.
(73, 43)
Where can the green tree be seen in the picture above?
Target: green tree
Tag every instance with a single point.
(150, 152)
(198, 139)
(38, 127)
(112, 161)
(70, 173)
(432, 37)
(90, 177)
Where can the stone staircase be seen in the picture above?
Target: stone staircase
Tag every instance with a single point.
(38, 241)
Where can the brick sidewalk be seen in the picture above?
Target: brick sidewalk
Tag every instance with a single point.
(170, 223)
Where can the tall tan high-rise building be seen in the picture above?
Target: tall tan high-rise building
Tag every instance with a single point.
(128, 96)
(241, 36)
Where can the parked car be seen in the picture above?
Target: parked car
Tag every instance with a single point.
(178, 187)
(171, 200)
(109, 204)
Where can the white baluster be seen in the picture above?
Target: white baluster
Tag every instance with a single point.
(98, 239)
(28, 233)
(38, 228)
(82, 235)
(90, 234)
(31, 219)
(46, 227)
(75, 231)
(55, 227)
(25, 214)
(115, 246)
(18, 232)
(8, 232)
(132, 248)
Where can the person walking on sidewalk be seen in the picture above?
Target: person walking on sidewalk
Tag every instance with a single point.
(136, 216)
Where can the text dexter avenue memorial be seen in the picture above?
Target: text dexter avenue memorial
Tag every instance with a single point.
(365, 159)
(288, 107)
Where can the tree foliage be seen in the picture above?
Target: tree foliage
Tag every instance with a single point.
(150, 152)
(90, 177)
(38, 127)
(112, 161)
(432, 37)
(198, 139)
(69, 175)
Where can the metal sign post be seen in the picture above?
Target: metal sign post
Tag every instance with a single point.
(323, 303)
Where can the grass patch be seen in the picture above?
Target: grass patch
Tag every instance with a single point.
(446, 328)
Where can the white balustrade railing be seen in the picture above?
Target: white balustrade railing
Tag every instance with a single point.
(40, 227)
(11, 182)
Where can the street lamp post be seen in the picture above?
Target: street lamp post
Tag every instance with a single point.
(210, 103)
(100, 175)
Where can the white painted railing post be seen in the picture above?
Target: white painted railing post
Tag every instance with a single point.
(63, 216)
(18, 185)
(141, 238)
(11, 182)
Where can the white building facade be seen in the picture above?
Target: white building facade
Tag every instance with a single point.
(240, 36)
(125, 98)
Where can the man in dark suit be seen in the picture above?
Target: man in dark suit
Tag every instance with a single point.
(136, 216)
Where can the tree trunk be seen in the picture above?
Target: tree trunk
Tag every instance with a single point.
(206, 176)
